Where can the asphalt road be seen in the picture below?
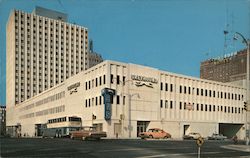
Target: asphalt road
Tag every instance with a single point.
(37, 147)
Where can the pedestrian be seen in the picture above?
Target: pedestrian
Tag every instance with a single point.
(235, 139)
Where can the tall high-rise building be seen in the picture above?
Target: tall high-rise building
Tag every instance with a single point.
(228, 69)
(43, 50)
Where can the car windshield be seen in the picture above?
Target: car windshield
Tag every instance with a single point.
(89, 128)
(151, 130)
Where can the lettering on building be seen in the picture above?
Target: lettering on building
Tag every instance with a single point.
(73, 88)
(144, 81)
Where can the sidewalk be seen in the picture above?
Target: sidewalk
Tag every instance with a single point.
(245, 148)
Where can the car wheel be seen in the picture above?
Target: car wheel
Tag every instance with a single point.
(71, 137)
(151, 137)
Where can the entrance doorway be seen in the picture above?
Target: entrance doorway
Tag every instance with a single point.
(39, 128)
(142, 126)
(186, 129)
(229, 129)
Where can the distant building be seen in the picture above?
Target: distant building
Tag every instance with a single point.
(2, 120)
(228, 69)
(94, 58)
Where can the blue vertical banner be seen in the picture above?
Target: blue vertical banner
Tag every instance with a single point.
(108, 94)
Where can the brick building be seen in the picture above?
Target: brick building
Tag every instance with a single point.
(228, 69)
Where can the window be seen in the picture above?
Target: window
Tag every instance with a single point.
(171, 104)
(118, 79)
(104, 79)
(161, 103)
(117, 99)
(185, 89)
(100, 100)
(171, 87)
(201, 92)
(100, 80)
(197, 91)
(96, 101)
(180, 89)
(161, 86)
(189, 90)
(124, 98)
(111, 99)
(166, 87)
(180, 105)
(201, 107)
(197, 107)
(111, 78)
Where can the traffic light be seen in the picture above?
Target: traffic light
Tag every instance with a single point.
(245, 105)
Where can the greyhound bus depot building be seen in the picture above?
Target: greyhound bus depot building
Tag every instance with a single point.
(125, 99)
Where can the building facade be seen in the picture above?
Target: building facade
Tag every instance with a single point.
(144, 98)
(228, 69)
(42, 52)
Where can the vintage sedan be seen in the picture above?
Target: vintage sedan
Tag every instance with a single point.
(155, 133)
(192, 135)
(217, 137)
(87, 132)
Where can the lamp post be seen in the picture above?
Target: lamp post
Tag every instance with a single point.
(247, 43)
(129, 108)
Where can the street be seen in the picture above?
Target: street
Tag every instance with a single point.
(37, 147)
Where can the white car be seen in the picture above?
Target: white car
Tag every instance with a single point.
(217, 137)
(192, 136)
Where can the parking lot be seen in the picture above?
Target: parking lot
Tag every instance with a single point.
(136, 148)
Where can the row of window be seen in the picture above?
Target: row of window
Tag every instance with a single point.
(200, 107)
(49, 111)
(99, 100)
(57, 120)
(44, 101)
(202, 92)
(95, 82)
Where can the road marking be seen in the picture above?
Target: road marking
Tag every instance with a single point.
(181, 154)
(162, 155)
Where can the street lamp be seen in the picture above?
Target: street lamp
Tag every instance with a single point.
(129, 107)
(247, 43)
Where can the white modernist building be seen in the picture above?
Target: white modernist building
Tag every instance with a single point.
(144, 98)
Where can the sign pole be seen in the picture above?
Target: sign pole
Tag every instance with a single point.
(199, 152)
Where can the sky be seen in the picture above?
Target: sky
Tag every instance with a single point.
(170, 35)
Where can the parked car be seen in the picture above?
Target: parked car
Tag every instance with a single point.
(87, 132)
(192, 136)
(155, 133)
(217, 137)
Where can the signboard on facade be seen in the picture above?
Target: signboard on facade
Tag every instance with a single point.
(144, 81)
(73, 88)
(108, 94)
